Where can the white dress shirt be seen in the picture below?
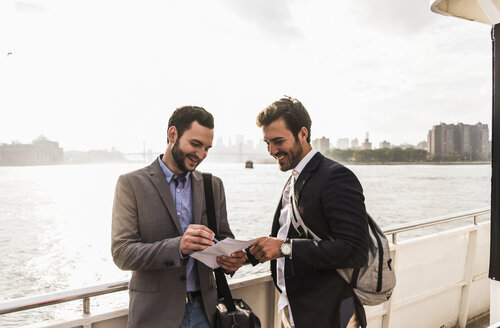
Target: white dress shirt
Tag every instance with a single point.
(283, 231)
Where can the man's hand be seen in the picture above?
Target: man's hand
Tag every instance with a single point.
(266, 249)
(232, 263)
(196, 238)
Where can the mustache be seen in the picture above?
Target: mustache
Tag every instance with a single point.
(193, 157)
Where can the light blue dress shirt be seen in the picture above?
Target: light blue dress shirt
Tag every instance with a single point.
(181, 192)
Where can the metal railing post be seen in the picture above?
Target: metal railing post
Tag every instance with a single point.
(394, 239)
(386, 318)
(468, 275)
(86, 305)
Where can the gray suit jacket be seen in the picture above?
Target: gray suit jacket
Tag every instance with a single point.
(145, 239)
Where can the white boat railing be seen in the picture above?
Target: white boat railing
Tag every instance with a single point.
(418, 224)
(32, 302)
(84, 294)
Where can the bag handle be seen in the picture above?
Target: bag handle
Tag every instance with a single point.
(223, 290)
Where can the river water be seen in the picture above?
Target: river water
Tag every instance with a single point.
(55, 220)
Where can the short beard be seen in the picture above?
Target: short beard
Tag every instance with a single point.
(295, 156)
(179, 156)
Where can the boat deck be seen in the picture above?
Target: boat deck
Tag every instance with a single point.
(483, 321)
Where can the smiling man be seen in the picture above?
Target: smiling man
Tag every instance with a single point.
(331, 203)
(159, 219)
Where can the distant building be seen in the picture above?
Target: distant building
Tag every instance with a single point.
(41, 151)
(459, 142)
(422, 145)
(239, 149)
(219, 144)
(323, 144)
(101, 156)
(343, 143)
(385, 144)
(406, 146)
(355, 143)
(366, 145)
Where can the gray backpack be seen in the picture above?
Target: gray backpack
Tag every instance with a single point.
(373, 283)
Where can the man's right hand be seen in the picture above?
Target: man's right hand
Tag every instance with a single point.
(196, 238)
(266, 248)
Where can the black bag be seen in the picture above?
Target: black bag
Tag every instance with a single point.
(230, 312)
(241, 317)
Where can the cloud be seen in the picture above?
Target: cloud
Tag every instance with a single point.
(394, 77)
(28, 7)
(271, 16)
(396, 17)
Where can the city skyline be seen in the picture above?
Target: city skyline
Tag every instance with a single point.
(232, 142)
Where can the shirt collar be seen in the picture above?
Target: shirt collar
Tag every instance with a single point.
(169, 175)
(296, 171)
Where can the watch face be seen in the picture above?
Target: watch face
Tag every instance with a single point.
(286, 249)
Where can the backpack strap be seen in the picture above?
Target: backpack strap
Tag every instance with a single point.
(223, 290)
(371, 223)
(296, 218)
(304, 230)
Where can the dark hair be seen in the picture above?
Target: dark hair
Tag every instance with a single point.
(292, 111)
(184, 116)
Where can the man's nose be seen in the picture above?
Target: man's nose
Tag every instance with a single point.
(202, 153)
(272, 149)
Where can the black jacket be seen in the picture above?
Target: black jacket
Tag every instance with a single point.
(331, 203)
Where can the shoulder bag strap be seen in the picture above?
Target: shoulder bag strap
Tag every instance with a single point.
(220, 278)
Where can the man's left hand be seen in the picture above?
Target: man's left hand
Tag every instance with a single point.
(233, 262)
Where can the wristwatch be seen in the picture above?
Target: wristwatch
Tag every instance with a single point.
(286, 249)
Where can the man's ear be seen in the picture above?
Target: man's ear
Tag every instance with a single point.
(303, 134)
(172, 134)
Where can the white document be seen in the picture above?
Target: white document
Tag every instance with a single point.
(225, 247)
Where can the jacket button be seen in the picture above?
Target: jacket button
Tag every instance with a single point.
(169, 263)
(183, 277)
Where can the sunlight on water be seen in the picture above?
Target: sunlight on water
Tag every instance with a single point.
(56, 220)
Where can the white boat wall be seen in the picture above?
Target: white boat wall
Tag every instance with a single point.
(442, 281)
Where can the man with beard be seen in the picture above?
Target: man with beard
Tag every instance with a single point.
(331, 203)
(159, 218)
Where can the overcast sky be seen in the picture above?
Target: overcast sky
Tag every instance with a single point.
(95, 74)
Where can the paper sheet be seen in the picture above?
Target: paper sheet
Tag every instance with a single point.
(225, 247)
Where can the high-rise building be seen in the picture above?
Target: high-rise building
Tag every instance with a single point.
(459, 141)
(323, 144)
(219, 144)
(355, 143)
(366, 145)
(343, 143)
(385, 144)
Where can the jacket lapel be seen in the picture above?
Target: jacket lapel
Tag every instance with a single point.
(306, 173)
(198, 196)
(161, 185)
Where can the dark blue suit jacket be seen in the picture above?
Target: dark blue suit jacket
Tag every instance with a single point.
(331, 203)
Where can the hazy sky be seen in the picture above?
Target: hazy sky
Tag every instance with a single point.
(95, 74)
